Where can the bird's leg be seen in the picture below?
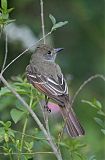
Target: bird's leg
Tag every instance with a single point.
(46, 103)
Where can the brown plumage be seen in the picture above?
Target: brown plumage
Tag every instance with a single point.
(45, 75)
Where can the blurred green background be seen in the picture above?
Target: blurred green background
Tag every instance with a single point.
(83, 40)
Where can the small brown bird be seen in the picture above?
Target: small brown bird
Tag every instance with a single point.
(45, 75)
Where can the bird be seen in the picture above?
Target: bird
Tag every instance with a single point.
(46, 76)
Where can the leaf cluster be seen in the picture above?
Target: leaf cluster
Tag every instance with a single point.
(98, 106)
(4, 14)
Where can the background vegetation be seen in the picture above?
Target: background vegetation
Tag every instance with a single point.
(83, 40)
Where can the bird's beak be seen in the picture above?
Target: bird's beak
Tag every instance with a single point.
(58, 50)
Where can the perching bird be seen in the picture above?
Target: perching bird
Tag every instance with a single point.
(45, 75)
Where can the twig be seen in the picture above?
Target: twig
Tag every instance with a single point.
(42, 20)
(83, 85)
(26, 50)
(45, 116)
(52, 144)
(45, 113)
(6, 51)
(25, 123)
(30, 136)
(24, 153)
(1, 31)
(23, 133)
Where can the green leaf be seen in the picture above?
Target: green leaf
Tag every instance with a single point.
(10, 21)
(2, 133)
(11, 133)
(103, 131)
(16, 115)
(20, 107)
(64, 145)
(5, 16)
(59, 24)
(1, 122)
(92, 157)
(52, 19)
(10, 10)
(99, 121)
(88, 102)
(4, 90)
(4, 4)
(8, 124)
(100, 112)
(97, 104)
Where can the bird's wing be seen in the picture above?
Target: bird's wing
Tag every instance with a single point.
(47, 84)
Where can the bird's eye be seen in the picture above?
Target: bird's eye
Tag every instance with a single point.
(49, 52)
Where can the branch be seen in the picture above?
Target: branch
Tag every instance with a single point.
(84, 83)
(42, 20)
(51, 143)
(6, 51)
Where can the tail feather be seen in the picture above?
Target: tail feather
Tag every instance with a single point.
(73, 126)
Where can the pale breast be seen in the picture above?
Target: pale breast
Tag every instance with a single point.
(49, 69)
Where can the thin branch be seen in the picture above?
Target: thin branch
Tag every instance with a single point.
(42, 20)
(51, 142)
(25, 123)
(24, 153)
(6, 51)
(26, 50)
(45, 116)
(1, 31)
(23, 133)
(30, 136)
(85, 83)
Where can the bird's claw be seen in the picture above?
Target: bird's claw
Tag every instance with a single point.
(48, 109)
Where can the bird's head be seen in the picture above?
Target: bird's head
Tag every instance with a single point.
(46, 52)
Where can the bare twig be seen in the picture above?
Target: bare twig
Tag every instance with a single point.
(26, 50)
(1, 31)
(23, 133)
(51, 142)
(24, 153)
(42, 20)
(84, 83)
(30, 136)
(25, 123)
(45, 113)
(6, 51)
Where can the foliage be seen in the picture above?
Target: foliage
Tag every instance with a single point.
(98, 106)
(4, 15)
(10, 138)
(58, 24)
(18, 133)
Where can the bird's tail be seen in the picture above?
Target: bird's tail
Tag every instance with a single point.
(73, 126)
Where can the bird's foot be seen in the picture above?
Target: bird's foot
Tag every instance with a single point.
(47, 108)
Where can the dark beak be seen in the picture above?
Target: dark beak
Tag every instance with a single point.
(58, 49)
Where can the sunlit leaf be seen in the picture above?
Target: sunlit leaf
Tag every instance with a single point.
(99, 121)
(92, 157)
(88, 102)
(97, 104)
(16, 115)
(8, 124)
(59, 24)
(103, 131)
(10, 10)
(52, 19)
(4, 4)
(10, 21)
(64, 145)
(101, 113)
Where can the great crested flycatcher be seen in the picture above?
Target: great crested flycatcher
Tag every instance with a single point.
(45, 75)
